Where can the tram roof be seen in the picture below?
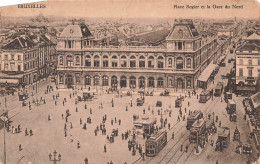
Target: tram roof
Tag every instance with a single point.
(224, 132)
(198, 123)
(147, 121)
(157, 135)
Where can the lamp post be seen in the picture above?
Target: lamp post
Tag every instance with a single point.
(54, 160)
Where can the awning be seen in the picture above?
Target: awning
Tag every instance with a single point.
(9, 81)
(206, 73)
(246, 88)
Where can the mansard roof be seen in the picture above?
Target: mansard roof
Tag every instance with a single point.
(183, 29)
(76, 31)
(19, 43)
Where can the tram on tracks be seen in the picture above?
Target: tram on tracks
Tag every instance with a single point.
(218, 89)
(205, 96)
(198, 129)
(195, 115)
(155, 143)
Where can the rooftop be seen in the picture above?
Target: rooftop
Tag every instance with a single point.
(76, 31)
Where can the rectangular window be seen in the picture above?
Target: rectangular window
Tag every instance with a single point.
(77, 78)
(132, 63)
(241, 61)
(19, 57)
(11, 66)
(249, 61)
(19, 68)
(123, 64)
(70, 44)
(150, 64)
(12, 56)
(141, 64)
(96, 63)
(61, 79)
(250, 72)
(70, 63)
(114, 64)
(179, 45)
(105, 63)
(6, 57)
(160, 64)
(6, 67)
(240, 71)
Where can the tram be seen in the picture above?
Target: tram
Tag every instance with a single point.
(218, 89)
(205, 96)
(197, 130)
(223, 139)
(195, 115)
(155, 143)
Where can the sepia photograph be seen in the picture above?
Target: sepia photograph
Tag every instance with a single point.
(130, 82)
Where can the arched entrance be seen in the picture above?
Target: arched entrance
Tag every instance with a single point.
(69, 81)
(180, 84)
(87, 80)
(151, 82)
(114, 82)
(132, 82)
(123, 82)
(141, 82)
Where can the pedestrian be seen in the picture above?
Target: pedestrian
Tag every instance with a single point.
(26, 132)
(31, 132)
(62, 116)
(65, 133)
(105, 148)
(188, 103)
(63, 102)
(185, 110)
(20, 147)
(71, 125)
(90, 111)
(186, 149)
(143, 111)
(78, 145)
(76, 109)
(181, 148)
(119, 122)
(169, 126)
(55, 103)
(49, 117)
(85, 106)
(111, 122)
(197, 96)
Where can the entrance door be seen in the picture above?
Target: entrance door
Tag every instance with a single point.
(179, 84)
(69, 81)
(114, 82)
(123, 82)
(141, 82)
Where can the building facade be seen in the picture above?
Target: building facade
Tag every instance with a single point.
(248, 66)
(83, 64)
(25, 60)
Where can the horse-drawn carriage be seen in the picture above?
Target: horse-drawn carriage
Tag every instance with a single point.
(149, 93)
(165, 93)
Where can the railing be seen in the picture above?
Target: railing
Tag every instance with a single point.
(79, 68)
(113, 48)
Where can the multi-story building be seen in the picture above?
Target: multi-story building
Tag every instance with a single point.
(248, 67)
(178, 65)
(26, 59)
(18, 62)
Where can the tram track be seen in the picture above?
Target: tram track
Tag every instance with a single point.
(204, 112)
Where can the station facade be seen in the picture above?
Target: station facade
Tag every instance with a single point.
(177, 64)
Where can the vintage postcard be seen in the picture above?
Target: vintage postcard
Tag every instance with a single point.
(130, 82)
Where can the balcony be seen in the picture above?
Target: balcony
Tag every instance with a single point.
(126, 69)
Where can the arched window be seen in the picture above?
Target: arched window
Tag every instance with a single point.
(69, 59)
(87, 80)
(96, 61)
(132, 82)
(151, 62)
(160, 62)
(179, 63)
(151, 82)
(88, 61)
(188, 63)
(123, 61)
(132, 61)
(160, 82)
(61, 60)
(114, 61)
(123, 82)
(105, 61)
(77, 60)
(61, 79)
(141, 61)
(170, 62)
(141, 82)
(96, 80)
(105, 81)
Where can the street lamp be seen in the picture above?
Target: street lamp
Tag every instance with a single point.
(55, 160)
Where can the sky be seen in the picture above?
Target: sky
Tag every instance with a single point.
(137, 9)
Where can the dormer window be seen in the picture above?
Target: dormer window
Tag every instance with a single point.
(180, 33)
